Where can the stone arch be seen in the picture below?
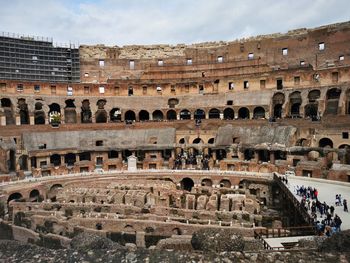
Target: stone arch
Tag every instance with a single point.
(55, 159)
(34, 195)
(345, 156)
(277, 104)
(70, 114)
(185, 115)
(220, 154)
(101, 114)
(23, 111)
(259, 113)
(243, 113)
(229, 114)
(176, 231)
(23, 162)
(51, 194)
(115, 115)
(248, 154)
(295, 101)
(54, 113)
(197, 141)
(158, 115)
(325, 142)
(347, 106)
(214, 113)
(143, 115)
(187, 184)
(70, 159)
(332, 101)
(182, 141)
(225, 183)
(130, 116)
(86, 114)
(199, 114)
(171, 115)
(39, 114)
(311, 109)
(211, 140)
(301, 142)
(207, 182)
(14, 196)
(6, 104)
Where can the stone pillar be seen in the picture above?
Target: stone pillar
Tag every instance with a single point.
(221, 115)
(178, 116)
(150, 117)
(140, 239)
(18, 119)
(272, 157)
(3, 120)
(31, 119)
(62, 159)
(173, 154)
(256, 155)
(207, 115)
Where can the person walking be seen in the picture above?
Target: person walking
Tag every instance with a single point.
(345, 204)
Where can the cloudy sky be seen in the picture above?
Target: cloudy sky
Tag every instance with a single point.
(125, 22)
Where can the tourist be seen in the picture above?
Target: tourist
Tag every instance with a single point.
(345, 204)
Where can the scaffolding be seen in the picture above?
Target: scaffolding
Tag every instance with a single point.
(30, 58)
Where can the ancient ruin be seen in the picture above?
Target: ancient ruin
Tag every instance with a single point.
(152, 144)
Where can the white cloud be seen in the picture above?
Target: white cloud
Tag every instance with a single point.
(117, 22)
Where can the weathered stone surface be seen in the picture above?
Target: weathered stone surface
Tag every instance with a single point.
(217, 240)
(337, 242)
(91, 241)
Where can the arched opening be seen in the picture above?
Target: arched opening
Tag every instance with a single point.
(143, 115)
(185, 115)
(85, 156)
(277, 103)
(301, 142)
(332, 101)
(199, 114)
(220, 154)
(112, 154)
(211, 140)
(23, 162)
(259, 113)
(54, 113)
(207, 182)
(295, 102)
(55, 159)
(311, 109)
(70, 114)
(214, 114)
(264, 155)
(347, 110)
(157, 115)
(14, 196)
(197, 140)
(52, 193)
(187, 184)
(325, 142)
(225, 183)
(23, 111)
(12, 161)
(101, 116)
(171, 115)
(86, 114)
(34, 196)
(39, 114)
(8, 111)
(115, 115)
(229, 114)
(176, 231)
(248, 154)
(344, 156)
(243, 113)
(182, 141)
(130, 116)
(70, 159)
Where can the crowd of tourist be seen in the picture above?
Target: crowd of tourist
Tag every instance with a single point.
(326, 220)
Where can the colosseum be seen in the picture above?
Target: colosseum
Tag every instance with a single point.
(151, 144)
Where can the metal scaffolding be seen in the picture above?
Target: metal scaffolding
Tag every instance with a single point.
(37, 59)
